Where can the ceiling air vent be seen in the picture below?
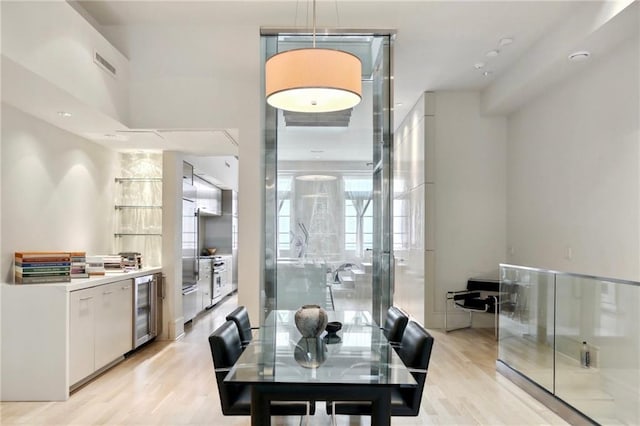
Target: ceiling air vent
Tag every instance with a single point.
(104, 64)
(312, 119)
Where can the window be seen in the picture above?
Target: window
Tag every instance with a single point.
(284, 212)
(357, 194)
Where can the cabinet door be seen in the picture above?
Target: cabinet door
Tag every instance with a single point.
(229, 271)
(81, 334)
(113, 322)
(204, 291)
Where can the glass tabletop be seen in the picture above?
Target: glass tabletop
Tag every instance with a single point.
(359, 353)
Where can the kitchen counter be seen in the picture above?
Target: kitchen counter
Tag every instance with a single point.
(82, 283)
(36, 323)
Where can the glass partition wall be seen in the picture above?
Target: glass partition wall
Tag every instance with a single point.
(327, 193)
(577, 337)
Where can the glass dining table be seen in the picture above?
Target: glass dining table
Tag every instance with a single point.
(355, 364)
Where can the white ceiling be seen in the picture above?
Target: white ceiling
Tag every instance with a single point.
(437, 43)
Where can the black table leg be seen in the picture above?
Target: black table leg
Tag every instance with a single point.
(381, 408)
(263, 394)
(260, 413)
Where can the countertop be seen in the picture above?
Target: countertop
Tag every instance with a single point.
(214, 256)
(82, 283)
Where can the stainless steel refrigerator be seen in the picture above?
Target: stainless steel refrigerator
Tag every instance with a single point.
(189, 237)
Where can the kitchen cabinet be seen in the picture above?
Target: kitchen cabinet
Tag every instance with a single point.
(208, 197)
(229, 272)
(66, 322)
(227, 287)
(204, 284)
(113, 322)
(81, 334)
(100, 327)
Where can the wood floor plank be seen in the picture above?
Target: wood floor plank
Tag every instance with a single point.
(172, 383)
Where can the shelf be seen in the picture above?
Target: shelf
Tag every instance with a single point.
(157, 179)
(137, 207)
(143, 235)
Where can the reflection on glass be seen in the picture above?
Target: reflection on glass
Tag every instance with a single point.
(310, 352)
(526, 324)
(542, 333)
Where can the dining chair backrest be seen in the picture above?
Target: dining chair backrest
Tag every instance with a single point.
(415, 353)
(226, 348)
(240, 316)
(395, 324)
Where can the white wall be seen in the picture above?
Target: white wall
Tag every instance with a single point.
(219, 170)
(52, 40)
(573, 167)
(463, 197)
(60, 188)
(194, 77)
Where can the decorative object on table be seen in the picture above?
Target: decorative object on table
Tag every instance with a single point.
(209, 251)
(42, 267)
(310, 352)
(311, 320)
(332, 329)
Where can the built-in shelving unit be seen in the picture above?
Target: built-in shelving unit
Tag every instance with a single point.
(138, 217)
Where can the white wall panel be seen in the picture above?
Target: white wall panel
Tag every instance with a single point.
(573, 167)
(52, 40)
(457, 190)
(60, 188)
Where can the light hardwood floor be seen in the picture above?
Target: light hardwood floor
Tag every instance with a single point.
(172, 383)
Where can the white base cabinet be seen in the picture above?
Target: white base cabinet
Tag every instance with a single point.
(113, 322)
(55, 335)
(81, 334)
(100, 327)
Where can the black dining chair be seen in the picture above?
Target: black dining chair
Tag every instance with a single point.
(415, 352)
(394, 325)
(240, 316)
(235, 399)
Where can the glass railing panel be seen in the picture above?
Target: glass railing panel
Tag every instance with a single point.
(605, 315)
(526, 323)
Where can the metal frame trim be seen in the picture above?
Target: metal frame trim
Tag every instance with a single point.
(571, 274)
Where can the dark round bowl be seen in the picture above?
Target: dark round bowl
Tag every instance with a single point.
(333, 327)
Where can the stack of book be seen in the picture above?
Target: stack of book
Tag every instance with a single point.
(79, 264)
(42, 267)
(112, 263)
(95, 265)
(131, 261)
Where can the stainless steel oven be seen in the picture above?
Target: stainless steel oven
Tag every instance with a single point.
(219, 277)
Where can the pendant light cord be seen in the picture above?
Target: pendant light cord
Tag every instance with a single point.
(314, 23)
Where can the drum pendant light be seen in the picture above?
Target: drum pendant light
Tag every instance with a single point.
(313, 79)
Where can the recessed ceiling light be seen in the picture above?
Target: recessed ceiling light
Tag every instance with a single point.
(478, 65)
(398, 104)
(492, 53)
(64, 114)
(317, 151)
(505, 41)
(487, 73)
(581, 55)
